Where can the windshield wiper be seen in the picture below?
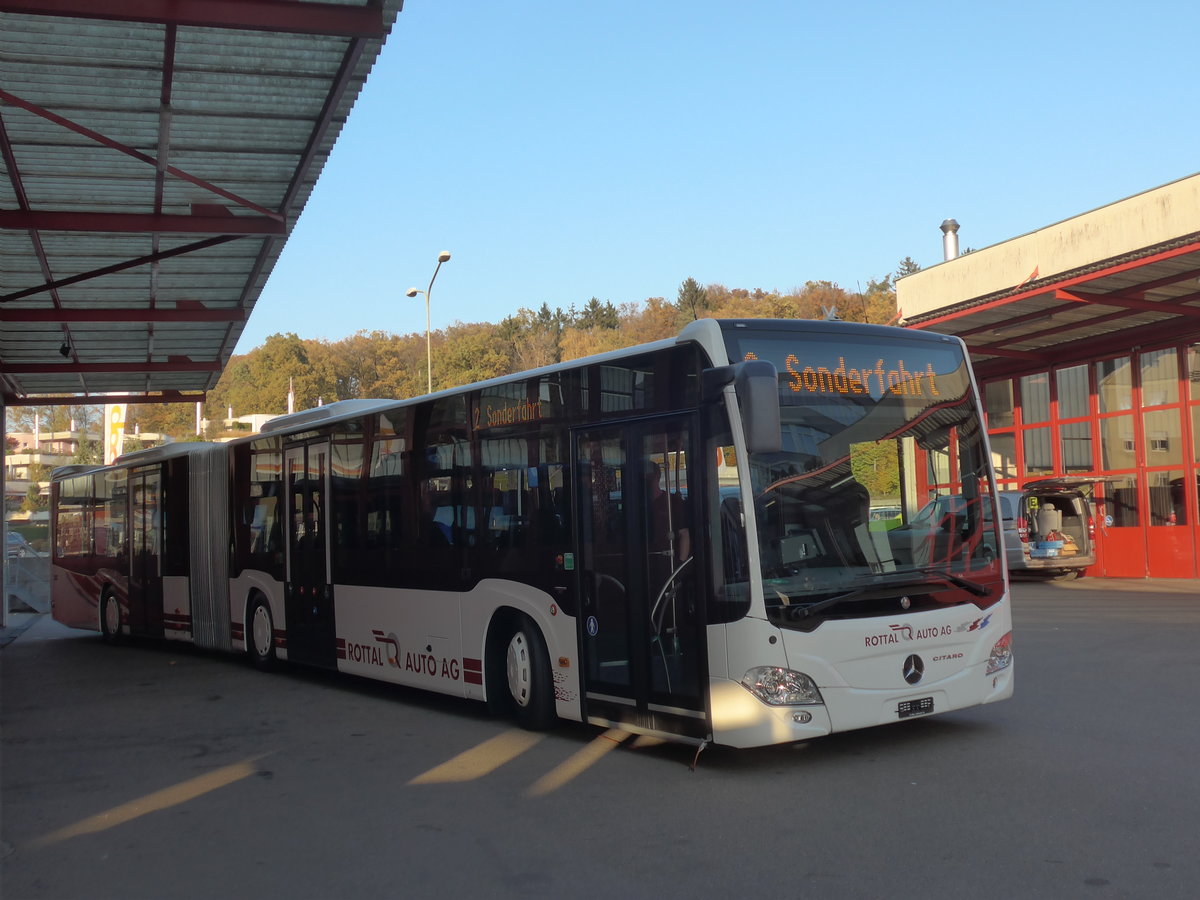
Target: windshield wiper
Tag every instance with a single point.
(957, 580)
(872, 590)
(813, 608)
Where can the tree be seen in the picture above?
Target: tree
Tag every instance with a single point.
(471, 353)
(597, 315)
(907, 266)
(534, 336)
(654, 321)
(34, 501)
(88, 452)
(174, 419)
(692, 300)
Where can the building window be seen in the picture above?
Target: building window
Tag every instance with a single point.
(1114, 384)
(1160, 378)
(998, 399)
(1004, 455)
(1075, 447)
(1038, 459)
(1072, 384)
(1116, 443)
(1163, 433)
(1196, 436)
(1035, 398)
(1168, 505)
(1122, 503)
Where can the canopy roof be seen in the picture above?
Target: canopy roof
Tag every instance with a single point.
(155, 156)
(1123, 276)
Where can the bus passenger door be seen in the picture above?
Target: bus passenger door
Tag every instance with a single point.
(311, 634)
(145, 564)
(642, 612)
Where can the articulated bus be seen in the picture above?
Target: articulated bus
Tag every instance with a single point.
(711, 539)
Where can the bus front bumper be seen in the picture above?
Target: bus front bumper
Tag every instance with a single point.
(739, 719)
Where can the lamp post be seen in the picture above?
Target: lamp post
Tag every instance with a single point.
(444, 256)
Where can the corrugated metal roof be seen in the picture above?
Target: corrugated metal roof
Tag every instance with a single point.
(155, 154)
(1147, 298)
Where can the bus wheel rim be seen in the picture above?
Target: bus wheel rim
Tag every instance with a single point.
(112, 616)
(518, 668)
(262, 631)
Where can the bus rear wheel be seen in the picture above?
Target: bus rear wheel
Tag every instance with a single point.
(110, 618)
(525, 676)
(260, 635)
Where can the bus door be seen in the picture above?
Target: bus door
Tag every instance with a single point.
(642, 613)
(145, 552)
(308, 592)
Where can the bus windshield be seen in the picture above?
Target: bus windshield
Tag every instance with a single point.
(875, 429)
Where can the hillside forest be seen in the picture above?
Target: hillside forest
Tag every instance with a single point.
(386, 365)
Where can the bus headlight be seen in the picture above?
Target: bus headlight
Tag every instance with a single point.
(776, 686)
(1001, 655)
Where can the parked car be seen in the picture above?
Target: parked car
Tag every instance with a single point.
(930, 534)
(1049, 526)
(18, 547)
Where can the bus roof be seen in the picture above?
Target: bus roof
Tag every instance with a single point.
(708, 333)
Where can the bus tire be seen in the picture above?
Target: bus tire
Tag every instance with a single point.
(110, 617)
(260, 634)
(522, 668)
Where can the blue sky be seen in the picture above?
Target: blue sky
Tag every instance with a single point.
(562, 150)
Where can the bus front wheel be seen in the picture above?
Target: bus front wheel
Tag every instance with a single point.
(260, 635)
(523, 673)
(110, 618)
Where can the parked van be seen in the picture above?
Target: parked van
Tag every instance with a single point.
(1046, 527)
(1049, 526)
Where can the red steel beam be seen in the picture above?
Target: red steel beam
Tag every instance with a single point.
(1009, 354)
(135, 223)
(66, 400)
(1085, 349)
(252, 15)
(159, 315)
(1060, 285)
(118, 267)
(112, 368)
(103, 140)
(1125, 301)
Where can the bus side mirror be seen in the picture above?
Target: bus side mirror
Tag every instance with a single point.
(757, 385)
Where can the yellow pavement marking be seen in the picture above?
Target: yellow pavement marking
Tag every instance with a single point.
(481, 760)
(159, 800)
(578, 762)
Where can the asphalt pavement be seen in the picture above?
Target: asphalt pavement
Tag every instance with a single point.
(152, 770)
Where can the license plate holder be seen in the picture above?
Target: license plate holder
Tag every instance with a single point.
(906, 709)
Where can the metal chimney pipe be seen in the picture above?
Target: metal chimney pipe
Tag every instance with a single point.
(949, 239)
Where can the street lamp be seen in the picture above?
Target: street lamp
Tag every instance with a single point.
(444, 256)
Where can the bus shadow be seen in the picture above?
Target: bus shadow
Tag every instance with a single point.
(916, 738)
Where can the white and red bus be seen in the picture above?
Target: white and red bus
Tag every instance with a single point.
(706, 538)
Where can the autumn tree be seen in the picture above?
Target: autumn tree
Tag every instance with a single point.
(534, 337)
(471, 353)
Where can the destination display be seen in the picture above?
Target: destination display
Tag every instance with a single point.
(827, 365)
